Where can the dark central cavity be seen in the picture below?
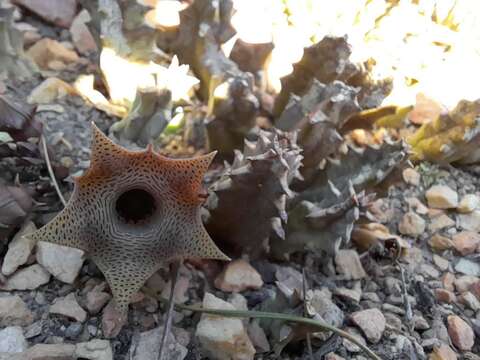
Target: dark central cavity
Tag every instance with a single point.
(135, 206)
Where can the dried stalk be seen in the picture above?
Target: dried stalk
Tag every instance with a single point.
(174, 266)
(50, 171)
(270, 315)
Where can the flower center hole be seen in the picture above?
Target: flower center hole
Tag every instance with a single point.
(135, 205)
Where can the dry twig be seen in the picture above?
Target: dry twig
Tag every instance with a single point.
(174, 266)
(50, 170)
(270, 315)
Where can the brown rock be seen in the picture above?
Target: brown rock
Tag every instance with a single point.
(96, 300)
(466, 242)
(442, 197)
(81, 36)
(47, 50)
(440, 243)
(445, 296)
(238, 276)
(475, 289)
(443, 352)
(112, 321)
(58, 12)
(348, 264)
(425, 110)
(460, 333)
(371, 322)
(448, 280)
(56, 65)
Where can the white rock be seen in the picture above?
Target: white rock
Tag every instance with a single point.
(19, 249)
(348, 264)
(441, 197)
(319, 302)
(467, 267)
(14, 312)
(412, 224)
(147, 345)
(28, 278)
(468, 203)
(289, 282)
(50, 351)
(470, 222)
(94, 350)
(223, 338)
(440, 222)
(12, 340)
(344, 293)
(63, 262)
(238, 276)
(470, 300)
(68, 306)
(411, 176)
(441, 262)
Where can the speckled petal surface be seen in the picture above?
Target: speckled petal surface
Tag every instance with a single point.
(131, 212)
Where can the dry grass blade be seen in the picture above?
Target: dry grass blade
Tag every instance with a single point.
(50, 171)
(174, 266)
(270, 315)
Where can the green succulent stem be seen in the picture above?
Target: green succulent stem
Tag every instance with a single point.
(274, 316)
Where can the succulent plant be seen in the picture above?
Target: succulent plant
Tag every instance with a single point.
(322, 216)
(12, 57)
(229, 92)
(319, 116)
(249, 200)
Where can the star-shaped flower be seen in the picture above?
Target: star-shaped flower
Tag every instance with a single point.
(132, 212)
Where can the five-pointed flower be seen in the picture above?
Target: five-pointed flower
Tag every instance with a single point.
(132, 212)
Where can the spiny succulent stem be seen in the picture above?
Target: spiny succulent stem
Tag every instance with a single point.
(270, 315)
(174, 266)
(50, 170)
